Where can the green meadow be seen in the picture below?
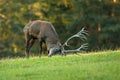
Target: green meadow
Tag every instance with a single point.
(90, 66)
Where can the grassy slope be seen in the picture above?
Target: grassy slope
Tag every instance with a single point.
(93, 66)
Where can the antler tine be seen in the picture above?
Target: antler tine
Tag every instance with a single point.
(83, 46)
(81, 36)
(83, 31)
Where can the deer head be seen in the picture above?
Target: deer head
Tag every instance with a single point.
(60, 48)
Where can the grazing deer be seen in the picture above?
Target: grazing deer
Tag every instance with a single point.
(45, 32)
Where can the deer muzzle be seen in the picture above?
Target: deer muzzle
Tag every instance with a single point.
(53, 51)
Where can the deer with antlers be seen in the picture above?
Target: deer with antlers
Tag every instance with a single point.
(45, 32)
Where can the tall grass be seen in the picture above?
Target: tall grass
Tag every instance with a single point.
(93, 66)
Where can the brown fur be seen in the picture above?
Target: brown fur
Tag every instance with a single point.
(42, 30)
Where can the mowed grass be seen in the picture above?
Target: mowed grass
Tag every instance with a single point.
(93, 66)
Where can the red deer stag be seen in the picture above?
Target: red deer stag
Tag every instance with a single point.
(45, 32)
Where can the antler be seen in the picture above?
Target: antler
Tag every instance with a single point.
(82, 35)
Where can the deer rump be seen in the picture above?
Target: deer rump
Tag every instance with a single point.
(45, 32)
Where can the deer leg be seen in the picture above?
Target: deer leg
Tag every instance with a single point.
(29, 44)
(40, 49)
(26, 49)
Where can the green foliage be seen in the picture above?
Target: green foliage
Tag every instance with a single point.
(100, 17)
(93, 66)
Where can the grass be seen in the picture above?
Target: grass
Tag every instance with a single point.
(93, 66)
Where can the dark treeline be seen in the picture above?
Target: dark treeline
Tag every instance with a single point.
(100, 17)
